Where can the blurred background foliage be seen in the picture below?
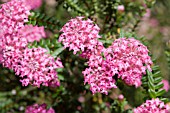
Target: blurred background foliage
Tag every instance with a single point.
(141, 18)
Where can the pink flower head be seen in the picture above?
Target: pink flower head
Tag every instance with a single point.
(36, 67)
(153, 106)
(13, 14)
(34, 4)
(99, 75)
(39, 109)
(120, 8)
(32, 33)
(120, 97)
(79, 34)
(11, 46)
(166, 85)
(24, 35)
(15, 10)
(130, 58)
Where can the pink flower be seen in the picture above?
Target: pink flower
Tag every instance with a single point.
(120, 97)
(166, 85)
(120, 8)
(79, 34)
(38, 109)
(15, 10)
(36, 67)
(129, 58)
(32, 33)
(13, 14)
(152, 106)
(81, 99)
(34, 4)
(24, 35)
(99, 75)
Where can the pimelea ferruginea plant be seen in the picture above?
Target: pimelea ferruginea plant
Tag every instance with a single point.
(31, 43)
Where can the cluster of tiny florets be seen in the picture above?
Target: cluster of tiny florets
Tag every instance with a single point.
(79, 34)
(34, 66)
(31, 33)
(127, 59)
(130, 58)
(153, 106)
(39, 109)
(13, 14)
(99, 75)
(34, 4)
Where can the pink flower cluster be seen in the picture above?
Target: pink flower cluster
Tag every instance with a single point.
(34, 66)
(79, 34)
(130, 59)
(39, 109)
(99, 75)
(153, 106)
(127, 59)
(32, 33)
(166, 85)
(34, 4)
(13, 14)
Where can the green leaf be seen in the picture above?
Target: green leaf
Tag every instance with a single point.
(152, 93)
(158, 80)
(144, 78)
(152, 83)
(60, 77)
(158, 86)
(157, 74)
(160, 92)
(165, 100)
(57, 52)
(39, 19)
